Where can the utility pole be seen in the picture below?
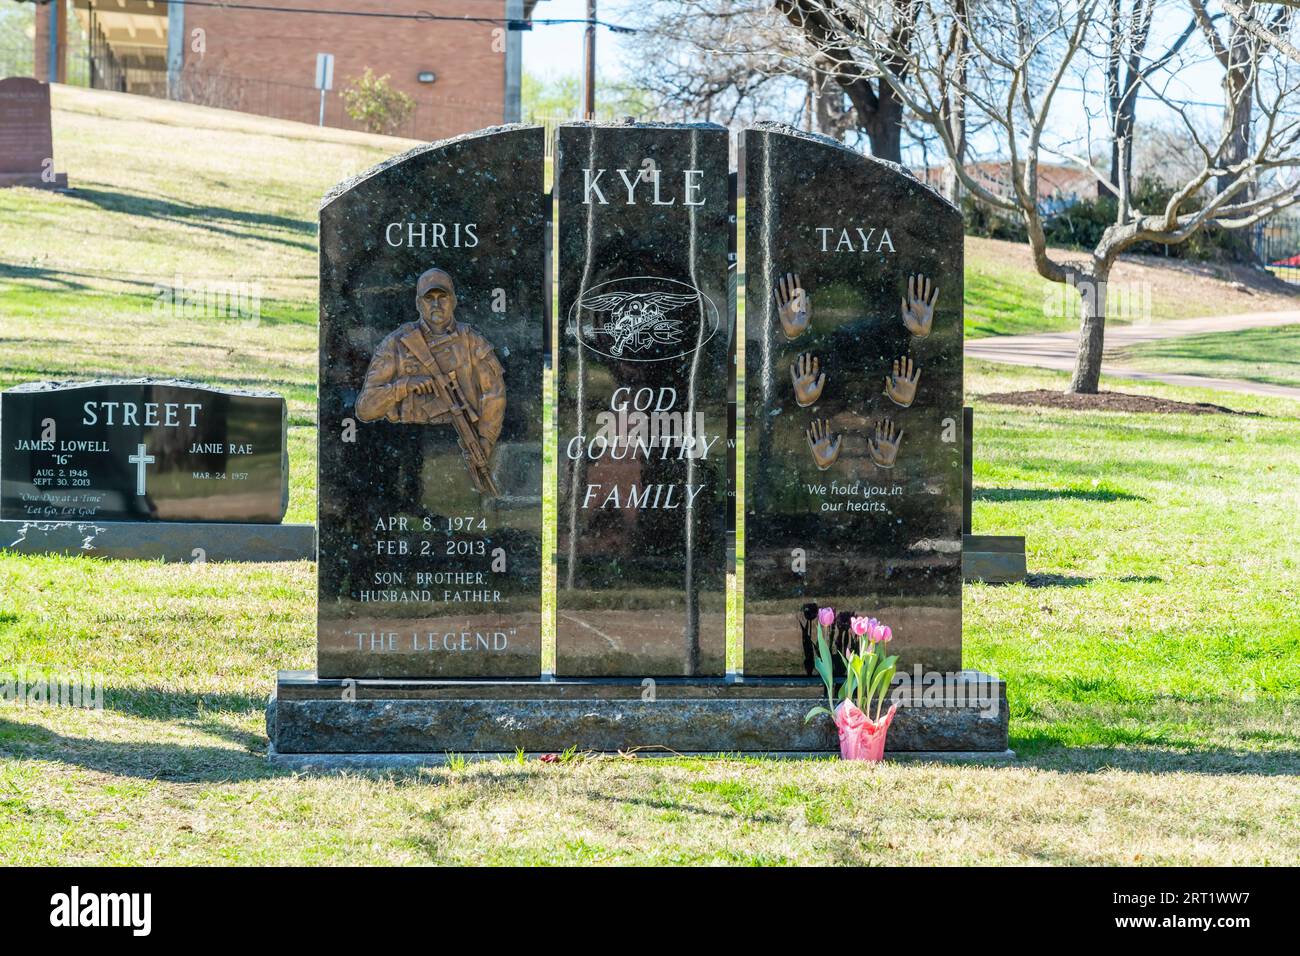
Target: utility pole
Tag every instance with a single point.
(589, 55)
(56, 13)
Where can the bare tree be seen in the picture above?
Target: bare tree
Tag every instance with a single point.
(1019, 56)
(718, 60)
(871, 84)
(734, 59)
(1127, 69)
(1272, 27)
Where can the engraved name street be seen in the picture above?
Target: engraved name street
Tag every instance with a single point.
(643, 368)
(853, 355)
(433, 307)
(142, 451)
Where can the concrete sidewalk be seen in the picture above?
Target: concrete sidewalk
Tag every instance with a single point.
(1056, 350)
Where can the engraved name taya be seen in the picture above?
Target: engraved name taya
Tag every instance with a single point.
(854, 239)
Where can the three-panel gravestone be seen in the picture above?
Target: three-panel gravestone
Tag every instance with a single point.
(435, 305)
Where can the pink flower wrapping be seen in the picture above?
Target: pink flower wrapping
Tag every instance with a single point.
(862, 738)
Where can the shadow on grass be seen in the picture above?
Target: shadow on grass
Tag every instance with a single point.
(1056, 581)
(199, 763)
(1052, 494)
(678, 805)
(209, 218)
(181, 763)
(66, 279)
(1143, 757)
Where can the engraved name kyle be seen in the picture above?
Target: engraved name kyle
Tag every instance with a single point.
(627, 183)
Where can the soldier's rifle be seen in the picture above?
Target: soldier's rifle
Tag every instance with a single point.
(463, 416)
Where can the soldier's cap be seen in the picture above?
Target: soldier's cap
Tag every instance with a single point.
(434, 278)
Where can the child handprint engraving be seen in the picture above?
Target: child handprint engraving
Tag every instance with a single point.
(884, 447)
(824, 443)
(807, 383)
(918, 305)
(792, 306)
(900, 388)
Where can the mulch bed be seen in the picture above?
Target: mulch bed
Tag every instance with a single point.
(1109, 402)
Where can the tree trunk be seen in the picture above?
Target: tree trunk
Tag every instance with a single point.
(953, 107)
(950, 185)
(884, 127)
(1238, 107)
(1114, 49)
(1092, 332)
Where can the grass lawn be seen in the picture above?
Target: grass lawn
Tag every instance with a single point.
(1153, 658)
(1271, 355)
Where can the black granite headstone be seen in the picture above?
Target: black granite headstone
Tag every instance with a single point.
(853, 407)
(433, 305)
(142, 450)
(644, 366)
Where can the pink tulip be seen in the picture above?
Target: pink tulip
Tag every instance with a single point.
(858, 625)
(826, 616)
(878, 633)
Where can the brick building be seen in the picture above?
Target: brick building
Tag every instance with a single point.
(462, 74)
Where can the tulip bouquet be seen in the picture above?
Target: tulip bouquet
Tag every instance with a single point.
(868, 675)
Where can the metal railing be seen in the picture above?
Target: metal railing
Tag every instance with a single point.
(1277, 243)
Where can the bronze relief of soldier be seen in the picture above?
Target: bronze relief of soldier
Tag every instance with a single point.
(437, 371)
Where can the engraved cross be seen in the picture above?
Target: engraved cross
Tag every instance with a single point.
(140, 459)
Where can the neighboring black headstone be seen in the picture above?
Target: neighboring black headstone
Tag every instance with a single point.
(643, 370)
(142, 450)
(853, 345)
(433, 305)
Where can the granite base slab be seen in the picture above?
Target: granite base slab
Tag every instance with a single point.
(965, 713)
(340, 763)
(993, 558)
(162, 540)
(34, 181)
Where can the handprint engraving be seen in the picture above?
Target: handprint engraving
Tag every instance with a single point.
(825, 445)
(807, 383)
(792, 306)
(884, 447)
(900, 388)
(918, 306)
